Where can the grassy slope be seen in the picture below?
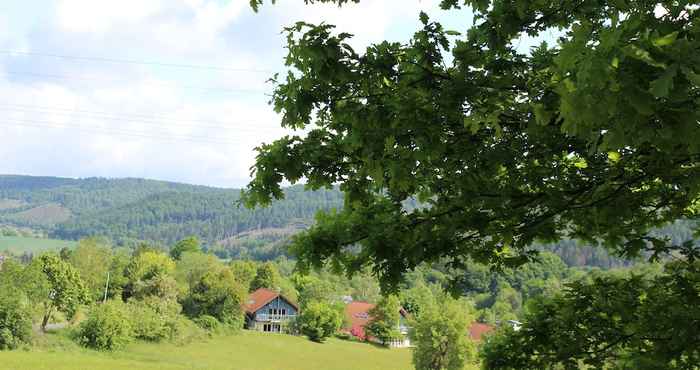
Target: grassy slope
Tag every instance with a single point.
(19, 245)
(244, 351)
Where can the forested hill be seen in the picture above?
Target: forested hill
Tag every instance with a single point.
(130, 210)
(138, 209)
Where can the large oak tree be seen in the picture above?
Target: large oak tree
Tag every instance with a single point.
(595, 137)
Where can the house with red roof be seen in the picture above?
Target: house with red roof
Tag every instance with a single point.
(478, 331)
(357, 315)
(268, 311)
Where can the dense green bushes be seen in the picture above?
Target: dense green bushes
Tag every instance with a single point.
(15, 322)
(208, 323)
(107, 327)
(319, 321)
(217, 294)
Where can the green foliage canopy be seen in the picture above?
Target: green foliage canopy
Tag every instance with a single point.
(217, 294)
(189, 244)
(93, 259)
(385, 319)
(67, 291)
(107, 327)
(267, 276)
(440, 339)
(320, 320)
(611, 322)
(594, 138)
(15, 318)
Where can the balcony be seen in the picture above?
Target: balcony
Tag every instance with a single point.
(272, 317)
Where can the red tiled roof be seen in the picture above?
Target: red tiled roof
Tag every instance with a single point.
(358, 316)
(477, 331)
(260, 298)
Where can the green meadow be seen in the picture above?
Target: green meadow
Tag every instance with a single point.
(19, 244)
(243, 351)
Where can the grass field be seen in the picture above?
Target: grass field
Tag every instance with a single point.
(244, 351)
(19, 245)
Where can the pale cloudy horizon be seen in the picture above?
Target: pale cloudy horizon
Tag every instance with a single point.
(166, 90)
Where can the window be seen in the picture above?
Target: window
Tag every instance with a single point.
(284, 311)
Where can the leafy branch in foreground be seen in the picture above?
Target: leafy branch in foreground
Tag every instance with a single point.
(594, 138)
(632, 322)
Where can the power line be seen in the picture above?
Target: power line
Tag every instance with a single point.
(165, 122)
(68, 78)
(133, 61)
(105, 131)
(216, 124)
(100, 130)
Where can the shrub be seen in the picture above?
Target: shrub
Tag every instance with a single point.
(147, 323)
(15, 322)
(208, 323)
(319, 321)
(184, 331)
(108, 327)
(343, 336)
(217, 294)
(384, 324)
(439, 337)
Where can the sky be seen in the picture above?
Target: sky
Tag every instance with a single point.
(163, 89)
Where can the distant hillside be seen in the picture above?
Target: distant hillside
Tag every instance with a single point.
(129, 210)
(136, 209)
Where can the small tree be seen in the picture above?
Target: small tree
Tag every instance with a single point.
(439, 335)
(153, 318)
(244, 272)
(93, 259)
(319, 321)
(107, 327)
(66, 289)
(312, 289)
(192, 266)
(267, 276)
(149, 264)
(190, 244)
(15, 319)
(145, 267)
(385, 319)
(217, 294)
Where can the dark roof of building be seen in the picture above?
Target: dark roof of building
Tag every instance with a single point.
(477, 330)
(259, 298)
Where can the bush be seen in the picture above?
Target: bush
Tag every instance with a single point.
(147, 323)
(15, 322)
(184, 331)
(208, 323)
(439, 337)
(108, 327)
(343, 336)
(319, 321)
(219, 295)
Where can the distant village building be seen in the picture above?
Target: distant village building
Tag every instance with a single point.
(357, 314)
(269, 311)
(516, 325)
(478, 331)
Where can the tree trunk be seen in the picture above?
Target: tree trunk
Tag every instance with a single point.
(47, 316)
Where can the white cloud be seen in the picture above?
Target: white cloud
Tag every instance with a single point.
(149, 120)
(100, 16)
